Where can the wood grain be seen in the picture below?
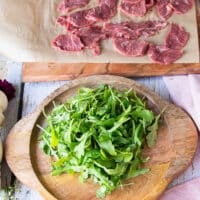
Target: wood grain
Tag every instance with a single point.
(36, 72)
(173, 153)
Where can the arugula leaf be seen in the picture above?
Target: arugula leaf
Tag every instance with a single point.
(100, 133)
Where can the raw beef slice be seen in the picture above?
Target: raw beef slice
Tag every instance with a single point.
(149, 4)
(164, 9)
(177, 37)
(181, 6)
(147, 28)
(105, 11)
(78, 19)
(129, 47)
(120, 30)
(133, 8)
(110, 3)
(134, 30)
(68, 5)
(163, 55)
(67, 42)
(91, 38)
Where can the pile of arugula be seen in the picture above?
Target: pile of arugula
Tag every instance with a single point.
(100, 133)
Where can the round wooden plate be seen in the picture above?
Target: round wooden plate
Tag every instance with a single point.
(176, 145)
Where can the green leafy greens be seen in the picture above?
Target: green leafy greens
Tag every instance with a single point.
(100, 133)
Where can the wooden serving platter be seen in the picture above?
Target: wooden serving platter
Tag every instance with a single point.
(174, 150)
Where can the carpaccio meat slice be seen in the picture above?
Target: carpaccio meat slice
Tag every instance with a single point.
(164, 9)
(177, 37)
(110, 3)
(134, 30)
(148, 28)
(63, 21)
(78, 19)
(129, 47)
(68, 5)
(67, 42)
(162, 54)
(149, 3)
(133, 8)
(181, 6)
(91, 38)
(105, 11)
(120, 30)
(100, 13)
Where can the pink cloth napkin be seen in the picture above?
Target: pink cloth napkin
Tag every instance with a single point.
(185, 92)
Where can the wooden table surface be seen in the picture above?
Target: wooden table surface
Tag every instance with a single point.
(29, 95)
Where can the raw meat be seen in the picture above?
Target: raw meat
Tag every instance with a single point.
(177, 37)
(68, 5)
(149, 3)
(63, 21)
(110, 3)
(91, 38)
(100, 13)
(148, 28)
(67, 42)
(164, 9)
(134, 30)
(135, 7)
(181, 6)
(105, 11)
(163, 55)
(78, 19)
(120, 30)
(129, 47)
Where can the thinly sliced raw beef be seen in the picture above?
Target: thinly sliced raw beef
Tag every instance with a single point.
(120, 30)
(177, 37)
(129, 47)
(164, 9)
(91, 38)
(78, 19)
(163, 55)
(148, 28)
(100, 13)
(134, 30)
(181, 6)
(67, 42)
(110, 3)
(149, 3)
(68, 5)
(63, 21)
(133, 8)
(105, 11)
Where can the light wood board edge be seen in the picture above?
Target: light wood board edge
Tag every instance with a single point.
(39, 72)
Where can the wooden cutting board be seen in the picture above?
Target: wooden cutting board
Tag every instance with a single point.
(176, 145)
(35, 72)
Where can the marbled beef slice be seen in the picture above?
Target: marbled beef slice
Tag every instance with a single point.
(181, 6)
(162, 54)
(129, 47)
(68, 5)
(67, 42)
(91, 38)
(133, 8)
(177, 37)
(164, 9)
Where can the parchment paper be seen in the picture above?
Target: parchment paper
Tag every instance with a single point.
(27, 28)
